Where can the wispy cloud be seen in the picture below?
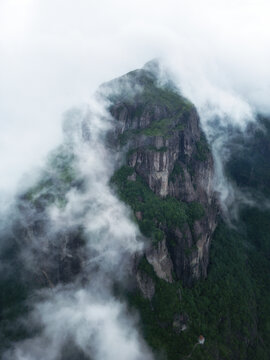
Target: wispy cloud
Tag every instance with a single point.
(54, 54)
(83, 315)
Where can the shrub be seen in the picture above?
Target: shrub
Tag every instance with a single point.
(158, 213)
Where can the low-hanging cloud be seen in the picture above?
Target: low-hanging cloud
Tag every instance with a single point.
(54, 54)
(83, 316)
(99, 327)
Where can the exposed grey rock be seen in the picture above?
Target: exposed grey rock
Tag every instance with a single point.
(159, 257)
(146, 284)
(138, 215)
(132, 177)
(180, 322)
(177, 143)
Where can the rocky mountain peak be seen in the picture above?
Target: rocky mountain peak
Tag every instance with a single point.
(167, 159)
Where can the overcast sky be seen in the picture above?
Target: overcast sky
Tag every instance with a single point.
(54, 54)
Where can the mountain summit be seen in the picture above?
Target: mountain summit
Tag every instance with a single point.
(124, 217)
(167, 177)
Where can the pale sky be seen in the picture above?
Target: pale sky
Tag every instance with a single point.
(55, 53)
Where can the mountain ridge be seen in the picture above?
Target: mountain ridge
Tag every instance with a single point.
(179, 285)
(167, 151)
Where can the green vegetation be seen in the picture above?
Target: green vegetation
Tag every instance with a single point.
(18, 283)
(177, 172)
(153, 148)
(146, 267)
(189, 250)
(55, 180)
(164, 127)
(147, 97)
(158, 214)
(157, 128)
(62, 162)
(152, 93)
(141, 87)
(231, 308)
(195, 211)
(15, 289)
(249, 164)
(202, 149)
(157, 316)
(126, 135)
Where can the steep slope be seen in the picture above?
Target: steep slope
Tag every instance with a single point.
(165, 178)
(168, 172)
(231, 307)
(164, 174)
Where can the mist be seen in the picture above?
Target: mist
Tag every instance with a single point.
(82, 317)
(54, 55)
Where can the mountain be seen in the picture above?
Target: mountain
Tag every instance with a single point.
(194, 275)
(167, 176)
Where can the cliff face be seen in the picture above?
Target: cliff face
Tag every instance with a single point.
(166, 151)
(165, 176)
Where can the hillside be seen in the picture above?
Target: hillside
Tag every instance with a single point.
(194, 275)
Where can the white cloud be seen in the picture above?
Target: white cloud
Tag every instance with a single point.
(100, 328)
(87, 316)
(54, 54)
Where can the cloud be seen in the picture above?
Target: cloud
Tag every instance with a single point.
(54, 54)
(83, 316)
(77, 319)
